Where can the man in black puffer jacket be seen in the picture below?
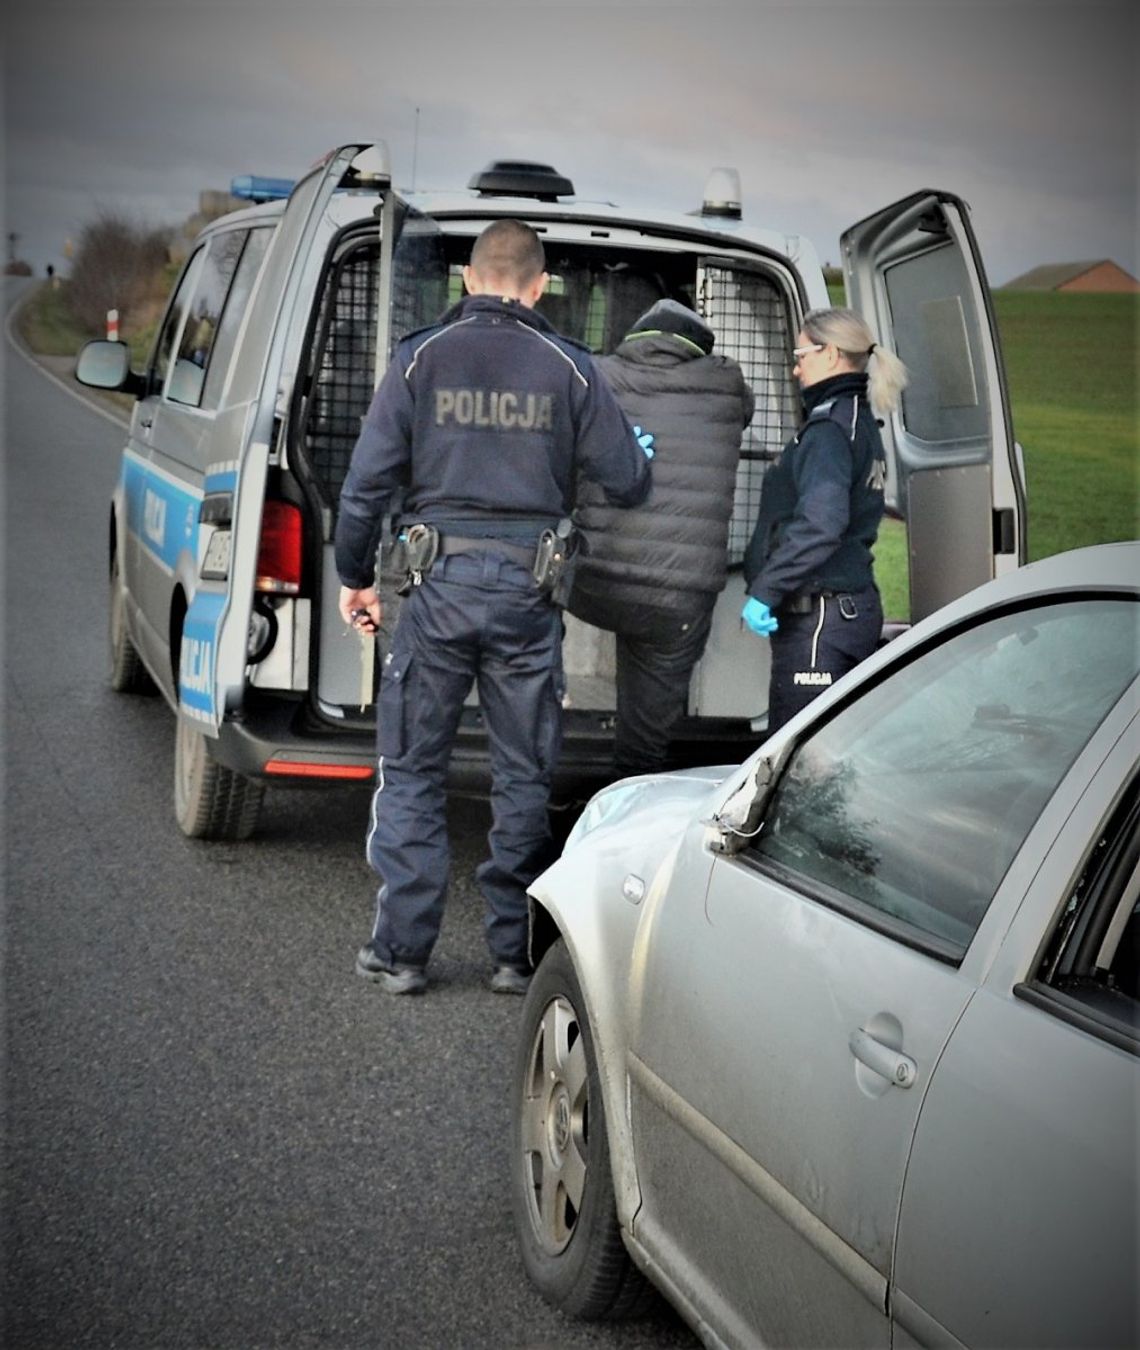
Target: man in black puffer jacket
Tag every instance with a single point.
(652, 574)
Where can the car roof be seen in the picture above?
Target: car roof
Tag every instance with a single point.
(1100, 567)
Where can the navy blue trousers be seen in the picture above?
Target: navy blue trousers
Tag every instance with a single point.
(811, 651)
(476, 618)
(655, 651)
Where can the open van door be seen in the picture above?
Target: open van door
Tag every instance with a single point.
(380, 289)
(213, 655)
(955, 475)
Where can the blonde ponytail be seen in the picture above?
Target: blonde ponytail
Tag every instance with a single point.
(846, 330)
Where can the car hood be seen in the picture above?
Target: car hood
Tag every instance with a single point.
(662, 801)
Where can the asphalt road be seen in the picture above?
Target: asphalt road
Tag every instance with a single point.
(216, 1135)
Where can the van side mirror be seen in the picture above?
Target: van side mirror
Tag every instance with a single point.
(107, 365)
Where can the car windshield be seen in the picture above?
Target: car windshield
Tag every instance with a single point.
(912, 801)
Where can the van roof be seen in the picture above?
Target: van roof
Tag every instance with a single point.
(713, 231)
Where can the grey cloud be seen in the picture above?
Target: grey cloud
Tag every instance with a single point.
(828, 109)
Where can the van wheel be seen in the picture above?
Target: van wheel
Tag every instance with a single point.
(211, 801)
(561, 1183)
(128, 674)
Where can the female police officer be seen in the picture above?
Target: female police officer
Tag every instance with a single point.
(808, 566)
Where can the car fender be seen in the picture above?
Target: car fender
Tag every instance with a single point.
(597, 895)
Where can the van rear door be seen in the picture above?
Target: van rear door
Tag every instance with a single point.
(378, 288)
(216, 628)
(914, 272)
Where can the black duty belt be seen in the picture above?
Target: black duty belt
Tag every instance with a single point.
(803, 602)
(456, 543)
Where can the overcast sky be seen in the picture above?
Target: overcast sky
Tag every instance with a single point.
(828, 108)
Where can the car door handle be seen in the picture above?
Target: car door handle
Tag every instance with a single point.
(893, 1065)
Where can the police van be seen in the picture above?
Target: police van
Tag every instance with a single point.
(220, 557)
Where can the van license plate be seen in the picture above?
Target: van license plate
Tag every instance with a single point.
(216, 563)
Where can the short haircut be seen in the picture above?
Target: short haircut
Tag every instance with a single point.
(508, 251)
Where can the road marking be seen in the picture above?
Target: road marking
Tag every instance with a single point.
(17, 345)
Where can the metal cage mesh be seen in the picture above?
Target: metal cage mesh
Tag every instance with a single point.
(751, 319)
(343, 384)
(747, 311)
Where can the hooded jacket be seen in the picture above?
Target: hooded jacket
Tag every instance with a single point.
(671, 551)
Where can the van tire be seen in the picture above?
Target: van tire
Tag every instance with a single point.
(211, 801)
(128, 674)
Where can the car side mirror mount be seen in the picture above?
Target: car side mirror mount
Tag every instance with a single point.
(740, 817)
(107, 365)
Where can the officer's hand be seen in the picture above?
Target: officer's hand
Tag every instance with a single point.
(645, 440)
(759, 617)
(360, 609)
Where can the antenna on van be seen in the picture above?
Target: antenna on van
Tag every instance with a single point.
(415, 148)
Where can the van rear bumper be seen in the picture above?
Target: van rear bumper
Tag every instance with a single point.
(284, 741)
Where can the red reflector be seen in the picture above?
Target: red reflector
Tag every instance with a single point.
(300, 768)
(279, 553)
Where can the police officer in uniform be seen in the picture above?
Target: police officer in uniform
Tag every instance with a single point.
(484, 420)
(808, 566)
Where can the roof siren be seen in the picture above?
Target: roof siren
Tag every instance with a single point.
(521, 178)
(372, 168)
(722, 194)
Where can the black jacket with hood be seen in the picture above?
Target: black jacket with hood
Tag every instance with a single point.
(671, 551)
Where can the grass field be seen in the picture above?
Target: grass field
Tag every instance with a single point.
(1071, 362)
(47, 326)
(1071, 365)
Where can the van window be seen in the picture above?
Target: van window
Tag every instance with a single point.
(936, 335)
(198, 332)
(236, 302)
(172, 324)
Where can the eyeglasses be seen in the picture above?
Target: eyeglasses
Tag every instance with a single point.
(797, 352)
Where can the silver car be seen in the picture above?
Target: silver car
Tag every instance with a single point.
(839, 1047)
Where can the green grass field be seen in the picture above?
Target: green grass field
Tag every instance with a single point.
(1071, 361)
(1071, 365)
(46, 324)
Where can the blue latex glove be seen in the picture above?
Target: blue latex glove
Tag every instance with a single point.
(645, 440)
(759, 617)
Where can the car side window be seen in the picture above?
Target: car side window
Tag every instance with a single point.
(172, 324)
(907, 806)
(237, 301)
(1089, 973)
(198, 332)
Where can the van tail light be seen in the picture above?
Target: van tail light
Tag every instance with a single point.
(279, 552)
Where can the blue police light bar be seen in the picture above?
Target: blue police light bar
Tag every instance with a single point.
(251, 188)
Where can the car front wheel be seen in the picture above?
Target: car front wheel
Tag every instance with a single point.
(562, 1186)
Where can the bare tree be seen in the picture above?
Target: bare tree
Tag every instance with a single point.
(114, 267)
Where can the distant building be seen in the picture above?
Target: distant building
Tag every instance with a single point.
(1103, 275)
